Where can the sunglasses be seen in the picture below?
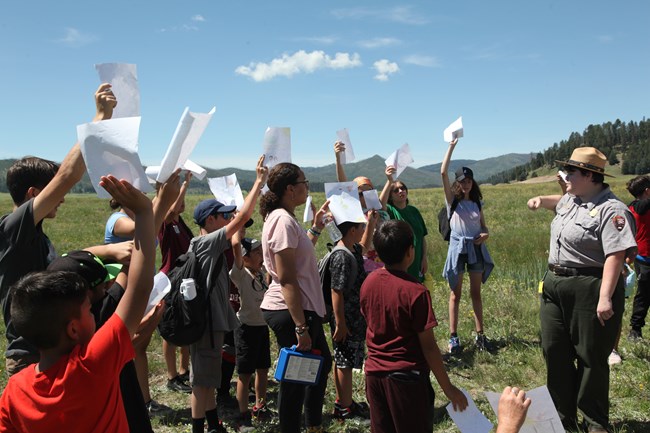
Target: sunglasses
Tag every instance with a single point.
(226, 215)
(399, 188)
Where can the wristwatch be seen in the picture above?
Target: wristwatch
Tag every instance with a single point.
(301, 329)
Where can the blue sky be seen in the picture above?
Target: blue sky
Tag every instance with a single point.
(522, 74)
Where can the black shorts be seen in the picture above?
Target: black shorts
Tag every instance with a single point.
(253, 348)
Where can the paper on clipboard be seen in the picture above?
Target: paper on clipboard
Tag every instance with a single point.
(453, 131)
(226, 189)
(111, 147)
(123, 78)
(188, 133)
(400, 159)
(347, 155)
(277, 146)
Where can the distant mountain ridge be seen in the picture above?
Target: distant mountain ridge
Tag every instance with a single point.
(373, 168)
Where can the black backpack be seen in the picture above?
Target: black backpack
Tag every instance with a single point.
(443, 220)
(183, 322)
(326, 276)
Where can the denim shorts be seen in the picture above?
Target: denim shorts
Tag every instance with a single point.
(479, 266)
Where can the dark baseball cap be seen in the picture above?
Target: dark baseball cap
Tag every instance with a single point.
(250, 244)
(87, 265)
(210, 207)
(464, 172)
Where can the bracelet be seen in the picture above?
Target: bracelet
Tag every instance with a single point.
(301, 329)
(313, 231)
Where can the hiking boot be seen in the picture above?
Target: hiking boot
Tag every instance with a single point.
(483, 344)
(262, 413)
(179, 385)
(614, 358)
(185, 377)
(244, 423)
(454, 346)
(634, 335)
(156, 409)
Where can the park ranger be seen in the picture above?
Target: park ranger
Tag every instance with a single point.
(583, 294)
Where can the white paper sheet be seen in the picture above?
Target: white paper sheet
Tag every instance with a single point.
(161, 286)
(372, 200)
(309, 214)
(198, 171)
(541, 417)
(562, 175)
(346, 207)
(123, 78)
(471, 420)
(348, 155)
(336, 188)
(277, 146)
(455, 130)
(226, 189)
(111, 147)
(400, 159)
(188, 132)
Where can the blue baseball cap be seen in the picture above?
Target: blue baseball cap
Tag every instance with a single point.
(210, 207)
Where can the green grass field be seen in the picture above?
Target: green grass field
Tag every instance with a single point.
(518, 244)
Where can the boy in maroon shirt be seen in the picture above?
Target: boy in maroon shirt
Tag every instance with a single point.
(401, 346)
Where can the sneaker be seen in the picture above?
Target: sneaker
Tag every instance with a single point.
(454, 346)
(156, 409)
(634, 335)
(244, 423)
(614, 358)
(354, 411)
(178, 384)
(219, 429)
(483, 344)
(185, 377)
(262, 413)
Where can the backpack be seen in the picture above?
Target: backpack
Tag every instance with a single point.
(326, 275)
(183, 322)
(443, 220)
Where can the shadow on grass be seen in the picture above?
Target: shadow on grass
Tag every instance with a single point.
(632, 426)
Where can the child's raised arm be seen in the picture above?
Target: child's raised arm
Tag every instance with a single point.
(444, 172)
(140, 278)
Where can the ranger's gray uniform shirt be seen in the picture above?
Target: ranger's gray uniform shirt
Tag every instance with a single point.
(583, 234)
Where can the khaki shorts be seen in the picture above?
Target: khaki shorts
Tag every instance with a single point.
(205, 360)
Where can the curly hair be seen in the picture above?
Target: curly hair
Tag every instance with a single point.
(281, 176)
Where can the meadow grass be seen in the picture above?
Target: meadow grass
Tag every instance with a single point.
(518, 244)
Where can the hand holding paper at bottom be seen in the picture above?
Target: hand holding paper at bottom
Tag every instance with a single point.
(542, 415)
(471, 420)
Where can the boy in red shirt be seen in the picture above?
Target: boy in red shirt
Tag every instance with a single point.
(75, 386)
(401, 346)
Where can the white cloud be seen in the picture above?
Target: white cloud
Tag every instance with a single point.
(379, 42)
(385, 68)
(298, 63)
(398, 14)
(198, 18)
(419, 60)
(76, 38)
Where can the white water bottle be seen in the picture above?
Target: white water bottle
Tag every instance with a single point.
(332, 230)
(188, 289)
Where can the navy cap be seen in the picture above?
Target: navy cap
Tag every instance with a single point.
(464, 172)
(210, 207)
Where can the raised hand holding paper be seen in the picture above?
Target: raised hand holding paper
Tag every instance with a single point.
(198, 171)
(400, 159)
(471, 420)
(277, 146)
(111, 147)
(542, 415)
(372, 200)
(226, 189)
(455, 130)
(123, 78)
(348, 154)
(309, 212)
(344, 202)
(188, 133)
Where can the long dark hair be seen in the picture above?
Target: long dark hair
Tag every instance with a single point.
(392, 187)
(281, 176)
(474, 193)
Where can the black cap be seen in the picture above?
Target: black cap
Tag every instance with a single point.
(464, 172)
(87, 265)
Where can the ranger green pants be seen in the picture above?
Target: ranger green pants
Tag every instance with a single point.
(576, 346)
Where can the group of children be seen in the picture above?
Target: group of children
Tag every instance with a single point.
(72, 321)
